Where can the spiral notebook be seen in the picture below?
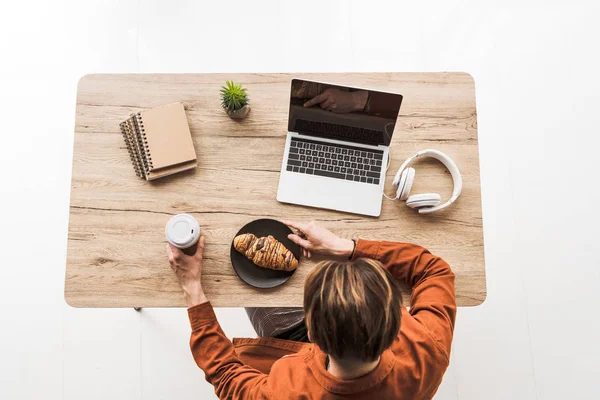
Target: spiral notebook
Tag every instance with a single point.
(159, 141)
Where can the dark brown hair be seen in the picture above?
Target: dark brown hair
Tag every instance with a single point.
(352, 308)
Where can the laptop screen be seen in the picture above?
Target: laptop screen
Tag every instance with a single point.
(343, 113)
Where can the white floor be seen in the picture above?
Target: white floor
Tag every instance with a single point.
(535, 65)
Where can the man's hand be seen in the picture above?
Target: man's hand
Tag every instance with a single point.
(340, 101)
(188, 270)
(315, 239)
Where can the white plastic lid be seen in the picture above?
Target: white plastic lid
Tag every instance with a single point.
(182, 231)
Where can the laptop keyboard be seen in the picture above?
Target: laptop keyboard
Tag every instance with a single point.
(335, 161)
(339, 131)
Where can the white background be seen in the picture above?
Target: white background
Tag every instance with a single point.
(537, 76)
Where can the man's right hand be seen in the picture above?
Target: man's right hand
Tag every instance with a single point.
(314, 239)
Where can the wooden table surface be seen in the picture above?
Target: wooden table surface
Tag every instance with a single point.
(116, 244)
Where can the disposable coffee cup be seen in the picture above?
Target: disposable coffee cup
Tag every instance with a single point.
(183, 232)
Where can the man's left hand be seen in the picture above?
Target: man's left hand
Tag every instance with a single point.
(188, 270)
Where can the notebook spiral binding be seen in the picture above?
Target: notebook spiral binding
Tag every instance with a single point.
(132, 154)
(135, 143)
(148, 156)
(139, 145)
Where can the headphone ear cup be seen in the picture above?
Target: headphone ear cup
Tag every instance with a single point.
(417, 201)
(406, 181)
(400, 183)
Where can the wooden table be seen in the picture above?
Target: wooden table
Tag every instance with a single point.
(116, 245)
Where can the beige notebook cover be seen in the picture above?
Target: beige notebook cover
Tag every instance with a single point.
(167, 136)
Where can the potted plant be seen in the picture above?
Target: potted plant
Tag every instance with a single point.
(234, 100)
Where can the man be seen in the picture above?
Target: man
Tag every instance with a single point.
(365, 345)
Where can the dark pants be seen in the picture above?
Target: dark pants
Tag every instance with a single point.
(279, 322)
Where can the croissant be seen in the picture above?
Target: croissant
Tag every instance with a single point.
(266, 252)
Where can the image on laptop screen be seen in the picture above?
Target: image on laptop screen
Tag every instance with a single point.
(343, 113)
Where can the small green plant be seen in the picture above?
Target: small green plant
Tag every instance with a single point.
(233, 96)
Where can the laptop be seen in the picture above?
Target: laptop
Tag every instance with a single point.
(337, 147)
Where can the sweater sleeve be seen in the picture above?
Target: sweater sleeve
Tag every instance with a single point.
(214, 354)
(433, 299)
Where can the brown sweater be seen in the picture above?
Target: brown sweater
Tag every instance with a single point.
(412, 368)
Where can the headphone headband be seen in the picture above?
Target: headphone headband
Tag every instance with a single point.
(450, 166)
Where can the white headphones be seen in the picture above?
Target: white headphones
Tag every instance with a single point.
(427, 202)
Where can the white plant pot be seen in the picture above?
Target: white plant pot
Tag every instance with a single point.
(239, 114)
